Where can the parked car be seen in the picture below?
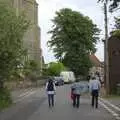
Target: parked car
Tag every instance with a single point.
(58, 81)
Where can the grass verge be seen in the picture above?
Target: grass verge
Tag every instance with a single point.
(5, 98)
(112, 97)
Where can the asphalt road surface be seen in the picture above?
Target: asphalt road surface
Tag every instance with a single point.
(33, 105)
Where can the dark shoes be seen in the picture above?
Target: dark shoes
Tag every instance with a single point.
(95, 106)
(51, 105)
(77, 106)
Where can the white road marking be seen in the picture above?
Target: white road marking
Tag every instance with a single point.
(20, 99)
(110, 110)
(23, 94)
(113, 106)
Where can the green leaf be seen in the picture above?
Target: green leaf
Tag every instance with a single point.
(73, 38)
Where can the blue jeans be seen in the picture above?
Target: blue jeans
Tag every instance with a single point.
(51, 100)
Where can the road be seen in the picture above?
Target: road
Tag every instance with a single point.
(32, 105)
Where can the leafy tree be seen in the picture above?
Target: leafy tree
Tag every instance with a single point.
(113, 4)
(54, 69)
(116, 31)
(12, 29)
(117, 22)
(73, 38)
(31, 70)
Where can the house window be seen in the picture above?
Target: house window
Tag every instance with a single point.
(116, 52)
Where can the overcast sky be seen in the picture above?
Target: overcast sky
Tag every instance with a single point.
(47, 9)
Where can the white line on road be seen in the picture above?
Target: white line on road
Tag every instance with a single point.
(113, 106)
(23, 94)
(18, 100)
(110, 110)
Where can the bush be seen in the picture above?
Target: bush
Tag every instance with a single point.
(54, 69)
(5, 98)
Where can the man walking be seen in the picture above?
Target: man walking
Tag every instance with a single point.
(94, 89)
(50, 88)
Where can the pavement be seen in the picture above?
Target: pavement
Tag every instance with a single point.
(32, 104)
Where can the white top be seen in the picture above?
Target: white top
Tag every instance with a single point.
(94, 85)
(50, 92)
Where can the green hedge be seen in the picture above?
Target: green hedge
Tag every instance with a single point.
(5, 98)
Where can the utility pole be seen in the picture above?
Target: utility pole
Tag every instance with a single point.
(106, 61)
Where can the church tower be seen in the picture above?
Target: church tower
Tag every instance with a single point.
(32, 36)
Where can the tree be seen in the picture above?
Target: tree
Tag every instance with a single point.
(12, 29)
(114, 4)
(73, 38)
(116, 31)
(54, 69)
(117, 23)
(31, 70)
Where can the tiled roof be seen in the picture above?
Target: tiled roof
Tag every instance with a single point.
(95, 60)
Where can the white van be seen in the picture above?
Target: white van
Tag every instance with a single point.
(68, 76)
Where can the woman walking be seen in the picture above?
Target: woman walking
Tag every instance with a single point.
(75, 94)
(50, 88)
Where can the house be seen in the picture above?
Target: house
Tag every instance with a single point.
(98, 66)
(114, 62)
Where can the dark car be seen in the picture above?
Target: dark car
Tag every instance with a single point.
(58, 81)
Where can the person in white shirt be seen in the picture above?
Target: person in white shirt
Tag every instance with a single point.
(94, 87)
(50, 88)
